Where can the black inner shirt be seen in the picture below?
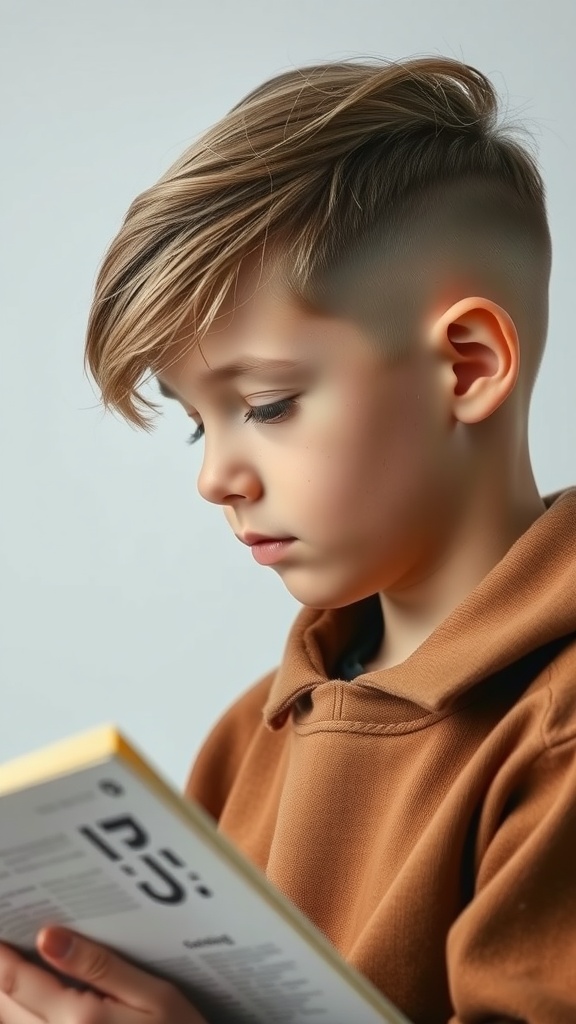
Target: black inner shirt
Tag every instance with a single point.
(364, 646)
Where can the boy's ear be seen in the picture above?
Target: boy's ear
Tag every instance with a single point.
(477, 342)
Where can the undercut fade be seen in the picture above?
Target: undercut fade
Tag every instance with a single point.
(342, 175)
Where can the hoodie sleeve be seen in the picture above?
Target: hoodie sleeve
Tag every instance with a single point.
(511, 954)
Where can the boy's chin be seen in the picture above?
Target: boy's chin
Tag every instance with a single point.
(322, 595)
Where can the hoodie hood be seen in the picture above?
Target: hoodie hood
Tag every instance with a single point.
(528, 600)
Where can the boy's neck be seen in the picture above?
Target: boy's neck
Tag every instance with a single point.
(488, 530)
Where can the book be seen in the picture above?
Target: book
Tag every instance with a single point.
(92, 837)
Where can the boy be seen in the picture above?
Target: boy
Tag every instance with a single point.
(345, 285)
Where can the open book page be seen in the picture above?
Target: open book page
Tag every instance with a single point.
(112, 851)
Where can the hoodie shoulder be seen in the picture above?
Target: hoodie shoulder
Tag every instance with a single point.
(218, 762)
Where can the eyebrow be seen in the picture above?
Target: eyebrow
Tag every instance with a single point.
(257, 366)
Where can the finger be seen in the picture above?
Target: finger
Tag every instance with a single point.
(11, 1013)
(103, 970)
(29, 993)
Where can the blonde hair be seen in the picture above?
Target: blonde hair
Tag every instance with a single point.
(333, 166)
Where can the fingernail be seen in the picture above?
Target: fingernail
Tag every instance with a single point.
(58, 943)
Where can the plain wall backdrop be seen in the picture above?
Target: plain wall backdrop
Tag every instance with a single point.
(123, 596)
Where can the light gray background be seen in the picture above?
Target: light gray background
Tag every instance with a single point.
(122, 595)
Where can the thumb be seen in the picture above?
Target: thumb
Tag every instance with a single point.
(109, 974)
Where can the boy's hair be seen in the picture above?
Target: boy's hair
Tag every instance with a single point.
(362, 182)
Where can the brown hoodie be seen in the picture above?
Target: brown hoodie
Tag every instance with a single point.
(424, 816)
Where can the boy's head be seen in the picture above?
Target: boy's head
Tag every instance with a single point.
(370, 225)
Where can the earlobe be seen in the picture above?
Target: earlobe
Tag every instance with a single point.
(478, 342)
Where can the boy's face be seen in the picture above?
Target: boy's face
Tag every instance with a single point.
(363, 470)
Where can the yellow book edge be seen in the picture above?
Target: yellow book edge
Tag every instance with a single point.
(105, 742)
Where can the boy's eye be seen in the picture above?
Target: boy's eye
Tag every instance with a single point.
(196, 435)
(271, 413)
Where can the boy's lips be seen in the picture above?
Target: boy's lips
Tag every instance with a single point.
(260, 538)
(266, 550)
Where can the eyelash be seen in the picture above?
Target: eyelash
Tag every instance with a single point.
(275, 412)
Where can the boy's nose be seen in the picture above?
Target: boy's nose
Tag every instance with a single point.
(223, 484)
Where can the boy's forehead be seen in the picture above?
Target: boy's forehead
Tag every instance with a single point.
(260, 320)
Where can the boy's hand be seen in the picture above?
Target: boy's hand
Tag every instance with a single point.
(30, 995)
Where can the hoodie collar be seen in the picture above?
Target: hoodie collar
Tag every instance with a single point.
(527, 600)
